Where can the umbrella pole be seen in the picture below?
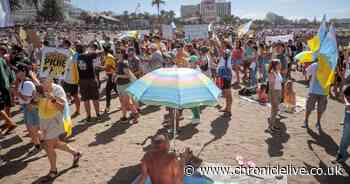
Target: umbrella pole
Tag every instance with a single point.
(174, 129)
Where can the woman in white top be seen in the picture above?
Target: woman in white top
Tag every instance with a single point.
(275, 92)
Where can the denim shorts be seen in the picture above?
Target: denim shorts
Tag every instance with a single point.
(31, 118)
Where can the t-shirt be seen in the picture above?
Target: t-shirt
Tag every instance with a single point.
(134, 64)
(284, 62)
(47, 109)
(157, 61)
(315, 87)
(120, 71)
(237, 54)
(26, 88)
(86, 65)
(109, 61)
(6, 76)
(68, 73)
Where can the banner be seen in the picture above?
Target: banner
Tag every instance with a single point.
(280, 38)
(53, 62)
(5, 14)
(196, 31)
(167, 31)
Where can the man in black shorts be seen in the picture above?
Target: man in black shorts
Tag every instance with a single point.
(88, 83)
(70, 84)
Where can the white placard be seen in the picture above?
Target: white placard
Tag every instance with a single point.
(280, 38)
(167, 31)
(196, 31)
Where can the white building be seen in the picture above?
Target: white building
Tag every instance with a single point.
(208, 10)
(188, 11)
(223, 8)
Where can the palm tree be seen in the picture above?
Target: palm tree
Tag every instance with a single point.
(157, 3)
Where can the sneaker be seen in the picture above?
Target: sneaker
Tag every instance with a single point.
(306, 125)
(318, 125)
(195, 121)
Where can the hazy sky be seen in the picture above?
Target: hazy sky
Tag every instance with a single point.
(243, 8)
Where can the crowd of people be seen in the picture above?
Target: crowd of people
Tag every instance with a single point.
(249, 63)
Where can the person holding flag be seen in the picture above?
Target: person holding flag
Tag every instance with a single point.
(54, 122)
(322, 74)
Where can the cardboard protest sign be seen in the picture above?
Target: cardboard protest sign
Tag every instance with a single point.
(53, 61)
(196, 31)
(280, 38)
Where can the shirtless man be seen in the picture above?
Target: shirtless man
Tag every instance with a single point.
(160, 165)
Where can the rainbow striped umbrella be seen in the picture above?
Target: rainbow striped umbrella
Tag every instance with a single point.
(175, 87)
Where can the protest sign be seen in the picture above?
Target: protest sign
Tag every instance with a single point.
(53, 61)
(167, 31)
(196, 31)
(280, 38)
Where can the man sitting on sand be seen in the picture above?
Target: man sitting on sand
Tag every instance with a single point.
(160, 165)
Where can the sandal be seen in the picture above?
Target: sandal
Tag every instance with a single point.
(51, 176)
(76, 159)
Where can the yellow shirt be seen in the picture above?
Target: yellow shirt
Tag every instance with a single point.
(109, 61)
(47, 109)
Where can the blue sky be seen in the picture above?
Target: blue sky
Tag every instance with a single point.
(243, 8)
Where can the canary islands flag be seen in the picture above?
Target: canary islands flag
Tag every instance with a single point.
(327, 60)
(67, 121)
(314, 44)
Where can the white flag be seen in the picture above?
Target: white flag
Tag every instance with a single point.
(5, 14)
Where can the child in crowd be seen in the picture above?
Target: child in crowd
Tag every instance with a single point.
(262, 94)
(289, 97)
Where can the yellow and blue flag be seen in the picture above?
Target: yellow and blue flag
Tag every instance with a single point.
(314, 44)
(67, 121)
(327, 60)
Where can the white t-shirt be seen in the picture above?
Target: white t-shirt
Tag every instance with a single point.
(58, 91)
(27, 89)
(278, 81)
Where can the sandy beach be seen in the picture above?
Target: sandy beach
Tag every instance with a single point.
(112, 150)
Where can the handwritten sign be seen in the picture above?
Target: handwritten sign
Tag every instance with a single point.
(196, 31)
(53, 62)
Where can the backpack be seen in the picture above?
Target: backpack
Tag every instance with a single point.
(224, 72)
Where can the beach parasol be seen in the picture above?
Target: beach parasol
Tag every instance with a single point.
(176, 88)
